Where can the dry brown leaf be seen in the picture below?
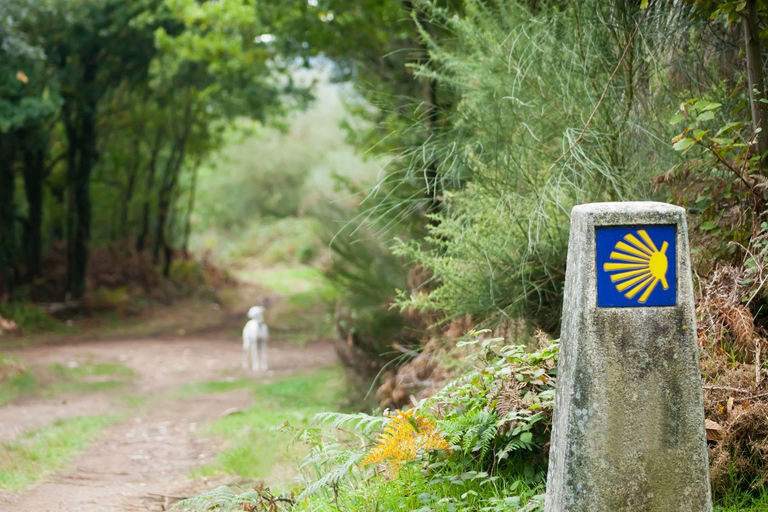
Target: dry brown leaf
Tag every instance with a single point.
(714, 430)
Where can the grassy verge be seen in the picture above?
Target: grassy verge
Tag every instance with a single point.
(255, 449)
(288, 280)
(33, 320)
(35, 454)
(17, 380)
(468, 490)
(743, 502)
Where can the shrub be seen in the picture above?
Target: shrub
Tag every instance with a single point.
(477, 444)
(30, 318)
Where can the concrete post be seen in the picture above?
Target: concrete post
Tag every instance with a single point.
(628, 433)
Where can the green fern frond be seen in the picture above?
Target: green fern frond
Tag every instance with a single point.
(221, 499)
(360, 423)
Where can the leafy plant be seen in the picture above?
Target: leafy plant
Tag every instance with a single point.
(407, 436)
(475, 445)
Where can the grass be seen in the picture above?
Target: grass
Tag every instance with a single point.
(87, 378)
(411, 490)
(92, 369)
(254, 448)
(289, 280)
(215, 386)
(305, 311)
(15, 379)
(743, 501)
(31, 319)
(84, 387)
(33, 455)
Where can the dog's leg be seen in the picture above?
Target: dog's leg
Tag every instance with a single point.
(255, 350)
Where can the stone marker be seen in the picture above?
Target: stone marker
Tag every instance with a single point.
(628, 432)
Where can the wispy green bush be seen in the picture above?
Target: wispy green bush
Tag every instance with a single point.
(558, 104)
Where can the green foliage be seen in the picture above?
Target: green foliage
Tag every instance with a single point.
(518, 153)
(107, 109)
(496, 417)
(30, 318)
(721, 171)
(15, 379)
(92, 370)
(742, 501)
(263, 190)
(224, 499)
(500, 407)
(253, 447)
(366, 273)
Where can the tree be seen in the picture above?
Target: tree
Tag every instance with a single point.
(26, 105)
(91, 46)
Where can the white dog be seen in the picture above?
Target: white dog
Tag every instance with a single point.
(255, 337)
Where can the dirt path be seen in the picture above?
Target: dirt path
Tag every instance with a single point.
(151, 452)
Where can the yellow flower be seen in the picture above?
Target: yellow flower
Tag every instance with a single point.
(405, 437)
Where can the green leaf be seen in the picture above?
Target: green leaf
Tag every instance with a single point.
(707, 115)
(676, 119)
(698, 134)
(526, 437)
(727, 127)
(683, 144)
(708, 225)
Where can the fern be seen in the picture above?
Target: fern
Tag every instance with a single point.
(222, 499)
(334, 467)
(406, 437)
(360, 423)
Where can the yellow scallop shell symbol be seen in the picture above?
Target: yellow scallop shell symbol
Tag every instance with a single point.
(638, 266)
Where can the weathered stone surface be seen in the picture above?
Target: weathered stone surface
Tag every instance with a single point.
(628, 430)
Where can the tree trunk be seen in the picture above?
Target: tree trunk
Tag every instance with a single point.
(133, 171)
(141, 239)
(81, 136)
(170, 179)
(8, 276)
(35, 150)
(165, 196)
(190, 208)
(755, 78)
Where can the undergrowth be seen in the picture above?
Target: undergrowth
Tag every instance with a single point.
(31, 319)
(478, 444)
(473, 446)
(253, 448)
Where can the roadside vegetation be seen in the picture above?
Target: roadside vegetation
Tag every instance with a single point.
(18, 380)
(255, 448)
(34, 455)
